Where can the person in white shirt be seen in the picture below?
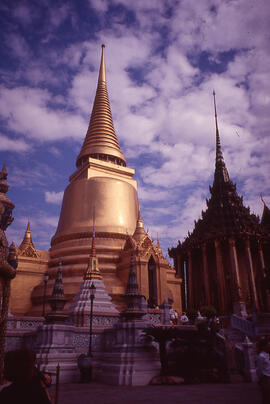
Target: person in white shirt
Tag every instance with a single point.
(263, 369)
(184, 318)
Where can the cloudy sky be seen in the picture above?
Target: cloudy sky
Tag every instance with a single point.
(163, 60)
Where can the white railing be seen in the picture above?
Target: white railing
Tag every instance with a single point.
(245, 326)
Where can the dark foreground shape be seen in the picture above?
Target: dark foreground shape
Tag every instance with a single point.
(247, 393)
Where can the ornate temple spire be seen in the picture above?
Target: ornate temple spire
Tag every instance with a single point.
(139, 233)
(27, 240)
(93, 271)
(221, 173)
(4, 170)
(57, 300)
(265, 222)
(101, 141)
(58, 288)
(225, 214)
(133, 297)
(158, 244)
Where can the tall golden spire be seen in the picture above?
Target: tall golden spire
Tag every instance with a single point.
(101, 141)
(27, 240)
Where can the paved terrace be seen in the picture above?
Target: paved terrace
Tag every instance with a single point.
(95, 393)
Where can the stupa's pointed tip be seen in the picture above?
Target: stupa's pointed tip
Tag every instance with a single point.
(101, 139)
(102, 72)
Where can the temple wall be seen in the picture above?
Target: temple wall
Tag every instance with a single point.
(166, 279)
(30, 273)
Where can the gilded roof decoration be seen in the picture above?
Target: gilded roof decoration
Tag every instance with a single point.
(101, 141)
(27, 248)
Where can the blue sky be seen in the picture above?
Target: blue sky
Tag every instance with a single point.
(163, 60)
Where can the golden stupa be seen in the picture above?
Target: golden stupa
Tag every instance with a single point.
(103, 184)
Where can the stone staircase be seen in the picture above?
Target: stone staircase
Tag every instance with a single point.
(257, 326)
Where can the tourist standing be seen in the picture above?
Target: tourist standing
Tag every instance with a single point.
(184, 318)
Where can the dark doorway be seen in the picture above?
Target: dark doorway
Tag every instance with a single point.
(152, 282)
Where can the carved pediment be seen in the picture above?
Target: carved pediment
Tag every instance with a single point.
(29, 252)
(147, 243)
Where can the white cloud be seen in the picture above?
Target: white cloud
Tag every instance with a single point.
(166, 110)
(54, 197)
(28, 111)
(15, 145)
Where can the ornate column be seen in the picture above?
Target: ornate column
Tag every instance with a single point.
(190, 276)
(251, 274)
(239, 306)
(205, 275)
(220, 277)
(266, 299)
(261, 258)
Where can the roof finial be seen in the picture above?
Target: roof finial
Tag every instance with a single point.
(27, 240)
(92, 270)
(262, 200)
(28, 225)
(139, 233)
(221, 170)
(102, 72)
(218, 146)
(4, 170)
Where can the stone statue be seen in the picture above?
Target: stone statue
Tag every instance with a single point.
(8, 260)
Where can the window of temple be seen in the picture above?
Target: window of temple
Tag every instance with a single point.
(152, 283)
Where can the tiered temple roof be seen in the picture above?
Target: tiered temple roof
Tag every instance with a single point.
(225, 214)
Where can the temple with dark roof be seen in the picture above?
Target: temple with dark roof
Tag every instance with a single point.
(224, 261)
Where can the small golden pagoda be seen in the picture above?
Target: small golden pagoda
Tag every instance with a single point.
(103, 184)
(32, 265)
